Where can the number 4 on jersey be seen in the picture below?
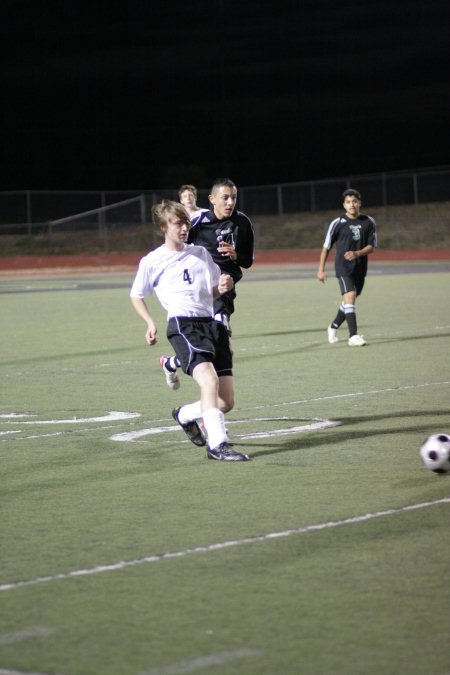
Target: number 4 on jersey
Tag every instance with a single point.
(187, 277)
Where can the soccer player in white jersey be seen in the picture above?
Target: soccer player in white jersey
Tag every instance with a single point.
(185, 280)
(228, 236)
(355, 237)
(188, 197)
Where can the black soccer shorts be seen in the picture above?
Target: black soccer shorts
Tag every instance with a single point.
(352, 283)
(196, 340)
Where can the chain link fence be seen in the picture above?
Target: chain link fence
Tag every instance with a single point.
(33, 207)
(85, 216)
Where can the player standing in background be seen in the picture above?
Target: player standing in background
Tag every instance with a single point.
(185, 279)
(355, 237)
(227, 234)
(188, 197)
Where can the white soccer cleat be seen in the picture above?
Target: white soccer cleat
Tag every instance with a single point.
(172, 379)
(357, 341)
(332, 335)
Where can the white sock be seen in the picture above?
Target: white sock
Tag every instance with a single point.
(214, 421)
(173, 362)
(189, 412)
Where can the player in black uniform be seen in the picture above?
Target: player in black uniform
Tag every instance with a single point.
(227, 234)
(355, 237)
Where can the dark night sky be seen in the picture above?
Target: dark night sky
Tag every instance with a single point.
(138, 95)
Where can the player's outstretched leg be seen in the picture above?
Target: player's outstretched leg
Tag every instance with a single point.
(191, 429)
(172, 379)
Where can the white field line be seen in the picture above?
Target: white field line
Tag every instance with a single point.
(202, 662)
(19, 672)
(112, 415)
(26, 634)
(314, 426)
(3, 671)
(55, 433)
(350, 395)
(317, 424)
(134, 436)
(15, 416)
(124, 564)
(115, 415)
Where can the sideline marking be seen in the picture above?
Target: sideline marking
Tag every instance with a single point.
(220, 545)
(132, 435)
(202, 662)
(113, 415)
(3, 671)
(351, 395)
(15, 415)
(322, 424)
(35, 631)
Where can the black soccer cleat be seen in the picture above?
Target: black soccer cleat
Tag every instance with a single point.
(223, 453)
(191, 429)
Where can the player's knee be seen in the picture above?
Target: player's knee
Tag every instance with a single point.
(226, 403)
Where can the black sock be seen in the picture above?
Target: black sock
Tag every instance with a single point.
(340, 318)
(350, 316)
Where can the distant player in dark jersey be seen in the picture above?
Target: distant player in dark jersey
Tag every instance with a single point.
(185, 280)
(355, 237)
(227, 234)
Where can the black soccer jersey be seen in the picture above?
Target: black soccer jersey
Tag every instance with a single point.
(208, 231)
(351, 234)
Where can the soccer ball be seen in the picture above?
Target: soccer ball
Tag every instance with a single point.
(435, 453)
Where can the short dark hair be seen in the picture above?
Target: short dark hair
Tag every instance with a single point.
(351, 193)
(222, 182)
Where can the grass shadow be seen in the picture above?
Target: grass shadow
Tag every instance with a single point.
(342, 434)
(409, 338)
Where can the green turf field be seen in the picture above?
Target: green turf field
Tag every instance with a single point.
(125, 552)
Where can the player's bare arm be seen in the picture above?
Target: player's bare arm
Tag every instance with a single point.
(321, 274)
(142, 309)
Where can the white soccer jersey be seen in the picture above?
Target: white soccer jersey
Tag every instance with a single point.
(182, 280)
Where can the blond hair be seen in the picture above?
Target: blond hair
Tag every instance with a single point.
(166, 209)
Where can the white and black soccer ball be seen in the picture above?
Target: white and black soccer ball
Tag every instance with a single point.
(435, 453)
